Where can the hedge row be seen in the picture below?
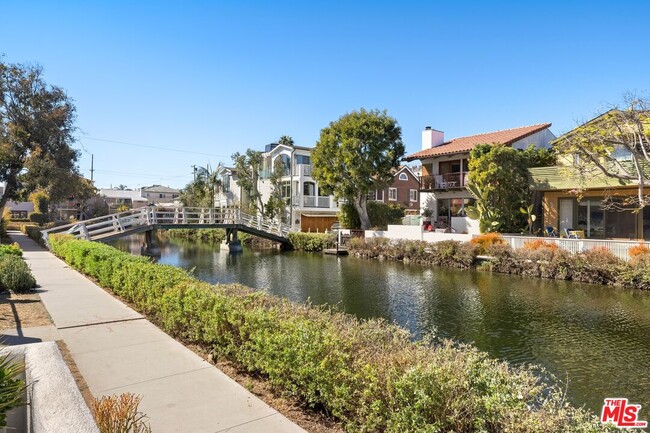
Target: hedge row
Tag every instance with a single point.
(367, 374)
(542, 260)
(213, 235)
(311, 242)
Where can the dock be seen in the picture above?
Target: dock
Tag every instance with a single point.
(340, 251)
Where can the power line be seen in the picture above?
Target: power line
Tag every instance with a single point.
(147, 146)
(140, 174)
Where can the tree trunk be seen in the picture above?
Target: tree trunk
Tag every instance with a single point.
(362, 210)
(9, 190)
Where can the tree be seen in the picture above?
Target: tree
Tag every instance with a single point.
(276, 205)
(286, 140)
(248, 166)
(380, 214)
(616, 144)
(36, 135)
(356, 154)
(202, 190)
(498, 179)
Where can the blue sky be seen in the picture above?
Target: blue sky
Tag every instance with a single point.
(213, 78)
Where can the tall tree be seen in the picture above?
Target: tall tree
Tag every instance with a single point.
(286, 140)
(498, 178)
(248, 166)
(201, 191)
(36, 135)
(356, 154)
(616, 144)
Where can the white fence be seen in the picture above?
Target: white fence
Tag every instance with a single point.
(618, 247)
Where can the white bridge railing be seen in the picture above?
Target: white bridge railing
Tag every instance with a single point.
(132, 220)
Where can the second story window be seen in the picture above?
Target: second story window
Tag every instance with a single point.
(403, 176)
(392, 194)
(309, 189)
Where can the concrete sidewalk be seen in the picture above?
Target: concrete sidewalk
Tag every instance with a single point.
(117, 350)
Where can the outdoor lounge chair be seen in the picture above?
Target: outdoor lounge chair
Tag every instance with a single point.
(569, 235)
(550, 232)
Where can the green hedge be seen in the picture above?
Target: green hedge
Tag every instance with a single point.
(214, 235)
(367, 374)
(13, 249)
(311, 242)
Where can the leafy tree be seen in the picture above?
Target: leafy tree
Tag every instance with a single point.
(498, 177)
(40, 200)
(36, 134)
(276, 205)
(248, 166)
(616, 144)
(122, 187)
(356, 154)
(202, 190)
(286, 140)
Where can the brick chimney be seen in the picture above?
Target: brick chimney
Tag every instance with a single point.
(432, 138)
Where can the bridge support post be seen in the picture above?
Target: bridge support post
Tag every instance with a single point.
(150, 247)
(234, 245)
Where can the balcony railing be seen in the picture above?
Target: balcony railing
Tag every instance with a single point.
(313, 201)
(445, 181)
(302, 169)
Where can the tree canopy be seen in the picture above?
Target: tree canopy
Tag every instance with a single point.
(36, 135)
(203, 188)
(498, 178)
(616, 144)
(357, 153)
(248, 166)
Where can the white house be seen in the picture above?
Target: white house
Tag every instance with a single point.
(160, 194)
(308, 207)
(445, 169)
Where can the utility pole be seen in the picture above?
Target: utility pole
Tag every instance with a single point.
(92, 167)
(194, 167)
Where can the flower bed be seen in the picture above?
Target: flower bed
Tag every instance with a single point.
(367, 374)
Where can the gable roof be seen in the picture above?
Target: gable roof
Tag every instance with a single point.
(465, 144)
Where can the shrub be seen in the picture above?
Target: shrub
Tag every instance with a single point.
(38, 218)
(380, 215)
(13, 249)
(540, 244)
(638, 250)
(368, 374)
(15, 274)
(310, 241)
(11, 386)
(214, 235)
(119, 414)
(485, 240)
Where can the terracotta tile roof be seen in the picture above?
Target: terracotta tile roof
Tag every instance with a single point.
(465, 144)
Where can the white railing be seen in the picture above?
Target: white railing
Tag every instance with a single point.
(302, 170)
(313, 201)
(618, 247)
(132, 220)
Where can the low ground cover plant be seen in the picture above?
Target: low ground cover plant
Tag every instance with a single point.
(120, 414)
(12, 249)
(311, 242)
(368, 374)
(12, 387)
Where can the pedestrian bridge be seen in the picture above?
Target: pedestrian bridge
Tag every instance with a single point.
(150, 218)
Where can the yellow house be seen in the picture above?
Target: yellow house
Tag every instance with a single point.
(594, 204)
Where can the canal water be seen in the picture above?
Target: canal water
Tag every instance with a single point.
(594, 339)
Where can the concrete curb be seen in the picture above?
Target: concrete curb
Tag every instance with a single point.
(56, 405)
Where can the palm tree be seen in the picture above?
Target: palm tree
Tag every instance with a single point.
(210, 180)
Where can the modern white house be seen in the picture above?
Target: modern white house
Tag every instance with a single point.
(308, 207)
(443, 186)
(230, 193)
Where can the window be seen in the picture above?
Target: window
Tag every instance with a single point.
(303, 159)
(282, 162)
(372, 195)
(392, 194)
(403, 176)
(309, 189)
(413, 195)
(161, 195)
(286, 189)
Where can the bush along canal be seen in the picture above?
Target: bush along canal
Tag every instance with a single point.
(594, 337)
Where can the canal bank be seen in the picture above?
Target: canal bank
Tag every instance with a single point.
(576, 331)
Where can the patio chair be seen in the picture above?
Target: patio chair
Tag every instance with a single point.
(569, 235)
(550, 232)
(440, 181)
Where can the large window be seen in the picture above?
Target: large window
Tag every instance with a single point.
(392, 194)
(303, 159)
(453, 207)
(286, 189)
(413, 195)
(598, 221)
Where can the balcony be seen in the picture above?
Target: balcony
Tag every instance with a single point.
(302, 170)
(312, 201)
(444, 181)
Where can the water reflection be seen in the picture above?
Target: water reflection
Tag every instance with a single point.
(597, 337)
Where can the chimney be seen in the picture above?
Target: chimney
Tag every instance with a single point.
(432, 138)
